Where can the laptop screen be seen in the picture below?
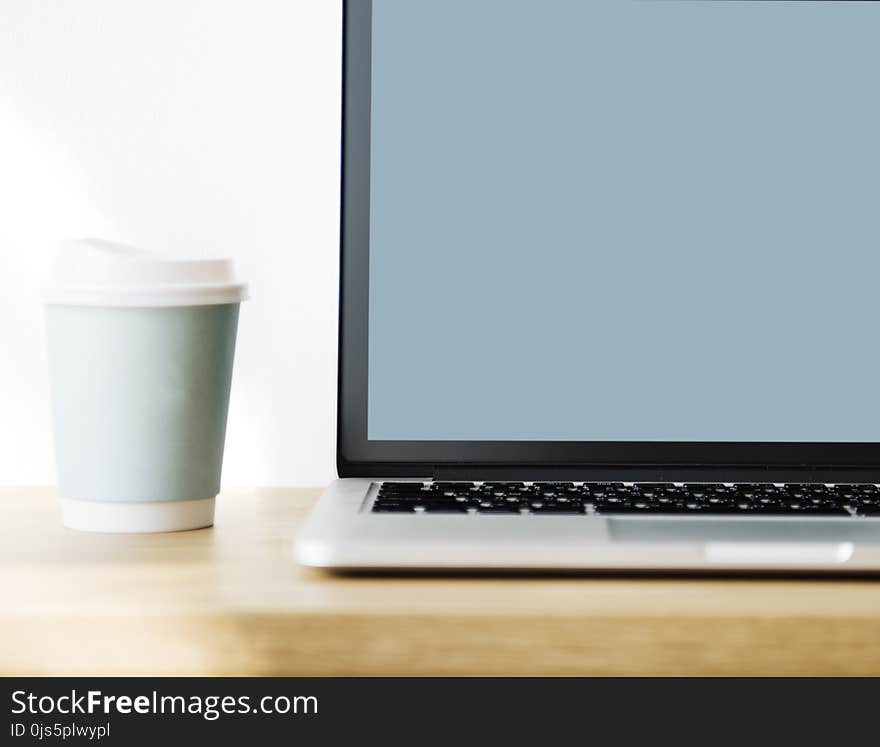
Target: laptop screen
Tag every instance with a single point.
(624, 221)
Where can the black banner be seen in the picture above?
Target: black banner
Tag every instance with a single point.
(134, 711)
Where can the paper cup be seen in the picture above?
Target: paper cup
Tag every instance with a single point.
(140, 366)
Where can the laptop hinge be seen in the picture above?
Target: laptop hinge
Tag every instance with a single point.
(654, 473)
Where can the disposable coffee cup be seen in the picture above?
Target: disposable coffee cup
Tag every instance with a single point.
(140, 364)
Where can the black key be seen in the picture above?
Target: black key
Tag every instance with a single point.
(390, 507)
(624, 492)
(765, 500)
(818, 500)
(857, 489)
(847, 493)
(400, 494)
(402, 498)
(452, 486)
(725, 508)
(653, 490)
(721, 500)
(679, 495)
(610, 500)
(442, 497)
(497, 496)
(806, 487)
(752, 494)
(700, 493)
(672, 500)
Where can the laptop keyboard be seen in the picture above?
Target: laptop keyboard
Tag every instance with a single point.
(615, 498)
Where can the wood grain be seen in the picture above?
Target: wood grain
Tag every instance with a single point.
(230, 600)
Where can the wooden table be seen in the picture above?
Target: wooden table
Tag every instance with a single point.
(231, 601)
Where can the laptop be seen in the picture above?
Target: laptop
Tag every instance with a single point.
(608, 288)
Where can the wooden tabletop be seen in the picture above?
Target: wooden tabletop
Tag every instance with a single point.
(231, 601)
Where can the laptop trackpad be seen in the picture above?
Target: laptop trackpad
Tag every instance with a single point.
(755, 542)
(743, 531)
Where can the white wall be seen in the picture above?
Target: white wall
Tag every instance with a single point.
(198, 127)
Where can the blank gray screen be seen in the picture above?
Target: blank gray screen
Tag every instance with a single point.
(626, 221)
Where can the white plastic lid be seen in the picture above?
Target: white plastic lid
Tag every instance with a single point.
(94, 272)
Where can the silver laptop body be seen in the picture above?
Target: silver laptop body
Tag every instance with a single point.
(608, 289)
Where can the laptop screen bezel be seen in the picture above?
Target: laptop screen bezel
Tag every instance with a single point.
(358, 456)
